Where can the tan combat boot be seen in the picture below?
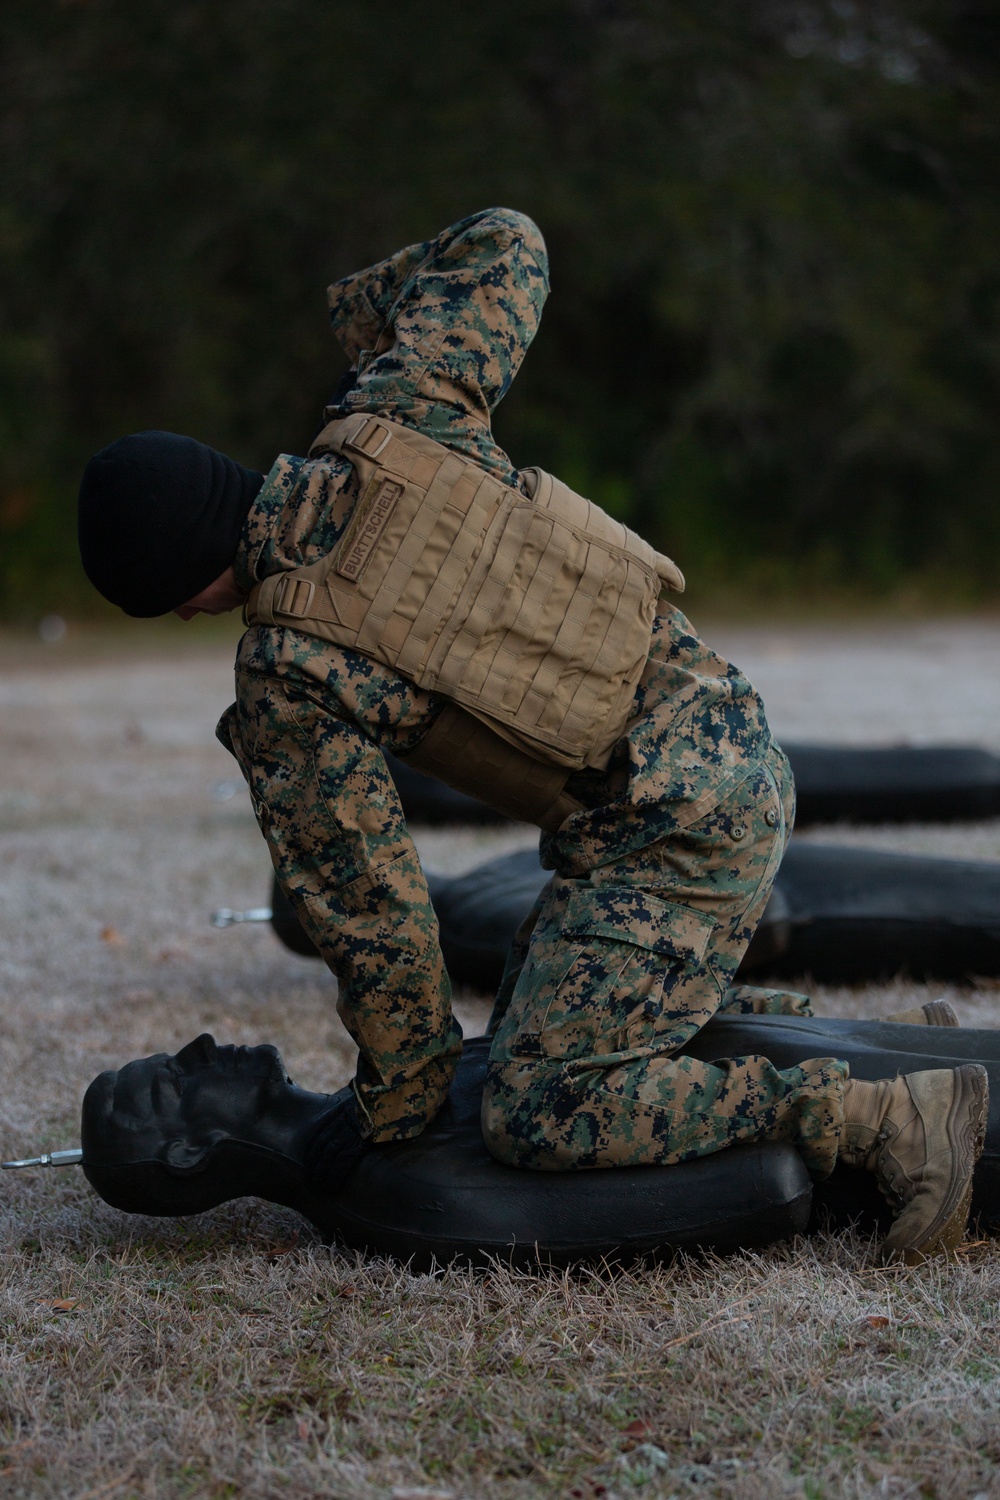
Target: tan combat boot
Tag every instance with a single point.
(934, 1013)
(921, 1135)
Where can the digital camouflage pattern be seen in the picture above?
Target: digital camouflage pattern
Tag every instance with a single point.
(613, 974)
(435, 335)
(330, 813)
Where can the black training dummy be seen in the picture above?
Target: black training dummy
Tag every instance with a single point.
(840, 915)
(833, 784)
(177, 1135)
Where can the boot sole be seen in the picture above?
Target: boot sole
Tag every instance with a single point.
(934, 1013)
(967, 1133)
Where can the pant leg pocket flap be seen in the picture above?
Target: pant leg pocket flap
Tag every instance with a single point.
(629, 915)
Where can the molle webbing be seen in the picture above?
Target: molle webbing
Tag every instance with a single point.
(532, 612)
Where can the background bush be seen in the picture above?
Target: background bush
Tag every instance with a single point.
(773, 340)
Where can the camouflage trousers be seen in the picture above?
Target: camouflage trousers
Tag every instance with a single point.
(330, 813)
(611, 975)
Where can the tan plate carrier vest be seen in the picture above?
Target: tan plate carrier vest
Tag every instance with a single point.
(532, 613)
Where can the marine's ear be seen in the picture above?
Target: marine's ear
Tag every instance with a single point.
(185, 1156)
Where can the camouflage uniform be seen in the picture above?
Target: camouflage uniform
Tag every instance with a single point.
(658, 882)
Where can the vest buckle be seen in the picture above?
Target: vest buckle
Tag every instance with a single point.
(292, 596)
(362, 438)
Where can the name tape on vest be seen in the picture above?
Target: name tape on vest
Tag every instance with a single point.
(376, 517)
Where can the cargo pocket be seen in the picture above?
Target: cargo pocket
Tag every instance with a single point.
(613, 978)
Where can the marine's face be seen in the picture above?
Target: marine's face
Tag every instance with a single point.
(203, 1094)
(219, 598)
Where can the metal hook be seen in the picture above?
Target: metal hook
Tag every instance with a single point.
(47, 1159)
(226, 918)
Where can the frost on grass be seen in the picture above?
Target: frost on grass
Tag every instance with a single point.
(233, 1354)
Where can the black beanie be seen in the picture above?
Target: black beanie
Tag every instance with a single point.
(160, 518)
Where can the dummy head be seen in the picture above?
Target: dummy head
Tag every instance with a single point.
(176, 1135)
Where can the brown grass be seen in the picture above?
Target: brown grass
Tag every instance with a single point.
(233, 1354)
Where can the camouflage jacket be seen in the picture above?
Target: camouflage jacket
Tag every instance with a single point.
(435, 335)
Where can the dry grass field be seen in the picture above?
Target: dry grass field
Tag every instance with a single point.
(233, 1354)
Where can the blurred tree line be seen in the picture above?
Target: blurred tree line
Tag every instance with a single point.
(773, 341)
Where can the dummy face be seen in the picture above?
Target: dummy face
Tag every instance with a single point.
(217, 599)
(175, 1109)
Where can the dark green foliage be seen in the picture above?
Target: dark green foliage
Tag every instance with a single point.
(773, 339)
